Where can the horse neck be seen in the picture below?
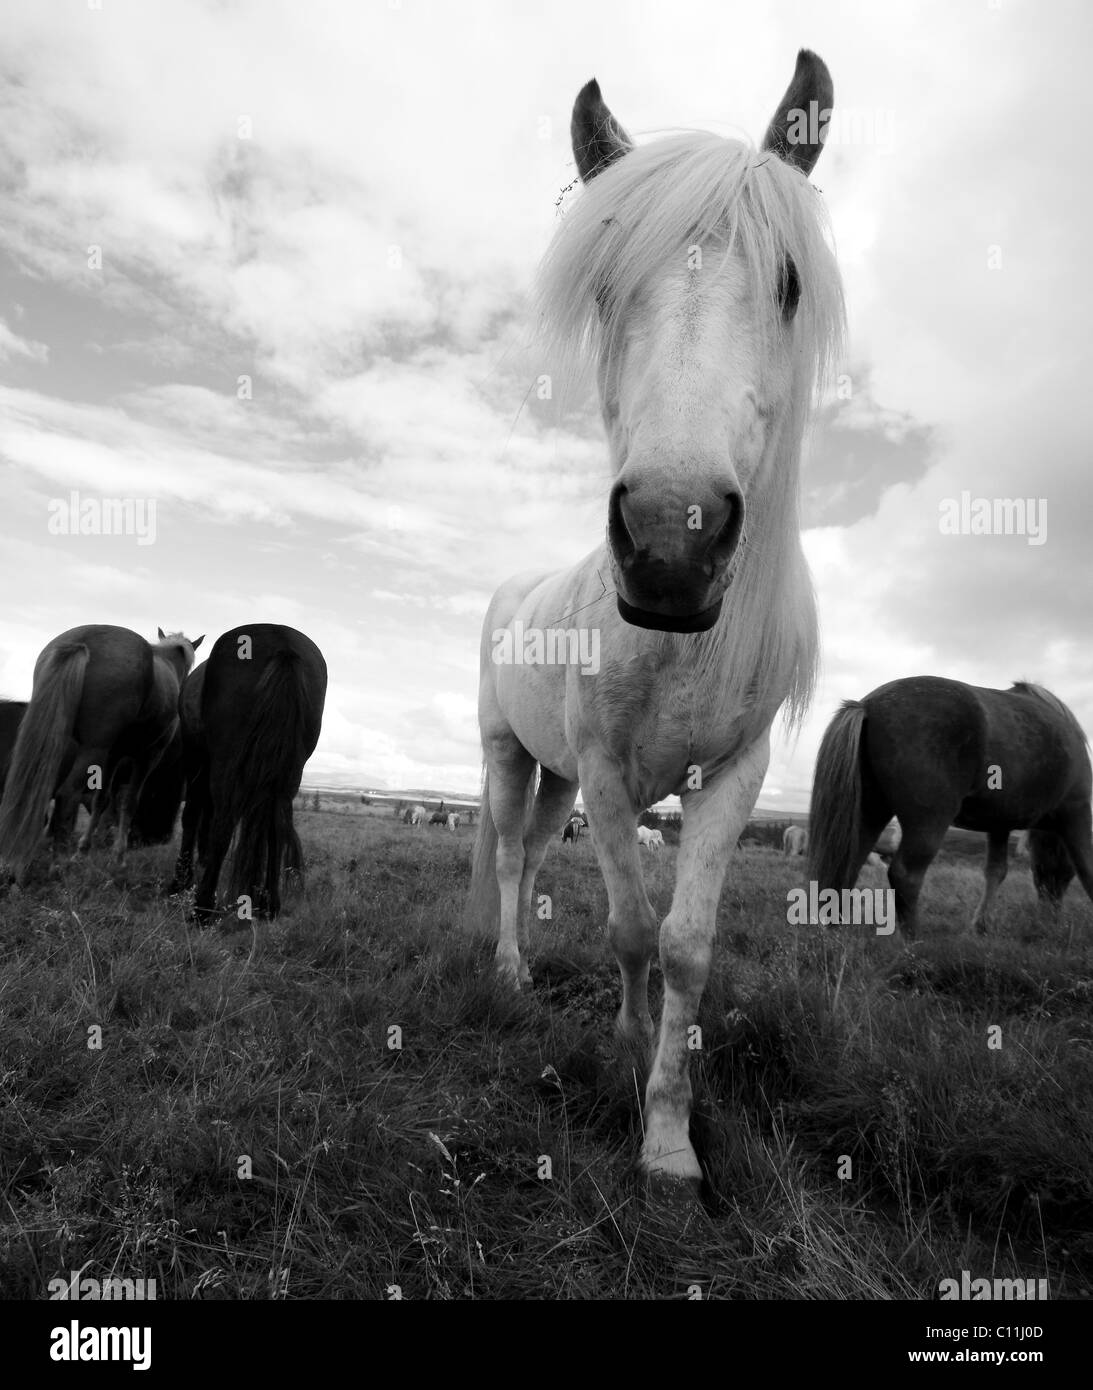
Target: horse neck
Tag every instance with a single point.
(173, 659)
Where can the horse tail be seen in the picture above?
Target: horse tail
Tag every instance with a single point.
(835, 819)
(263, 775)
(39, 753)
(482, 913)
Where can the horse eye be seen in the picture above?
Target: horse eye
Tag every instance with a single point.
(789, 289)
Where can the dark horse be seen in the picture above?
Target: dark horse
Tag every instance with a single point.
(251, 717)
(153, 820)
(937, 752)
(103, 699)
(11, 716)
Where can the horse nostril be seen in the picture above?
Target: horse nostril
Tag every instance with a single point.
(618, 534)
(728, 534)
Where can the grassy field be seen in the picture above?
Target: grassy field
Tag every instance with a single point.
(861, 1139)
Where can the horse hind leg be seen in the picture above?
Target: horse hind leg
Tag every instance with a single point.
(553, 804)
(90, 763)
(1077, 835)
(511, 770)
(994, 873)
(219, 841)
(917, 850)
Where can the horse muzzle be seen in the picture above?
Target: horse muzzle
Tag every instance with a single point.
(668, 577)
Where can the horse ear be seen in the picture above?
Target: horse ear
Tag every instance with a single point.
(598, 139)
(162, 634)
(197, 642)
(799, 127)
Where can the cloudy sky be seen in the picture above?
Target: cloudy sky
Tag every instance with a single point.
(303, 335)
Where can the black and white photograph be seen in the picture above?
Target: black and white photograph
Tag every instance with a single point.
(545, 667)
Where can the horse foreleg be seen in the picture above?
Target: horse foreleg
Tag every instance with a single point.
(917, 850)
(994, 873)
(631, 921)
(713, 818)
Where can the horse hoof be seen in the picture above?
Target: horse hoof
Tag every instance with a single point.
(672, 1164)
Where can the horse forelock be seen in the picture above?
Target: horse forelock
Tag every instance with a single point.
(652, 205)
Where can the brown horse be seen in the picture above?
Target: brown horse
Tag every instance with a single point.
(153, 820)
(103, 697)
(251, 717)
(936, 753)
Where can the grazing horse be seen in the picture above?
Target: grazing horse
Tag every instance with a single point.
(651, 839)
(103, 699)
(453, 820)
(936, 753)
(694, 275)
(251, 717)
(153, 820)
(418, 815)
(439, 818)
(795, 840)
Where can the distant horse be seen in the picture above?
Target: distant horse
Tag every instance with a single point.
(795, 840)
(651, 839)
(453, 820)
(571, 833)
(407, 816)
(936, 753)
(103, 697)
(695, 275)
(251, 717)
(439, 818)
(418, 815)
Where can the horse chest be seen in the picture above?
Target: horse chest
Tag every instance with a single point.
(660, 725)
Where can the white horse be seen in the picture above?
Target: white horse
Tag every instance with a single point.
(795, 840)
(651, 839)
(693, 274)
(419, 815)
(453, 820)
